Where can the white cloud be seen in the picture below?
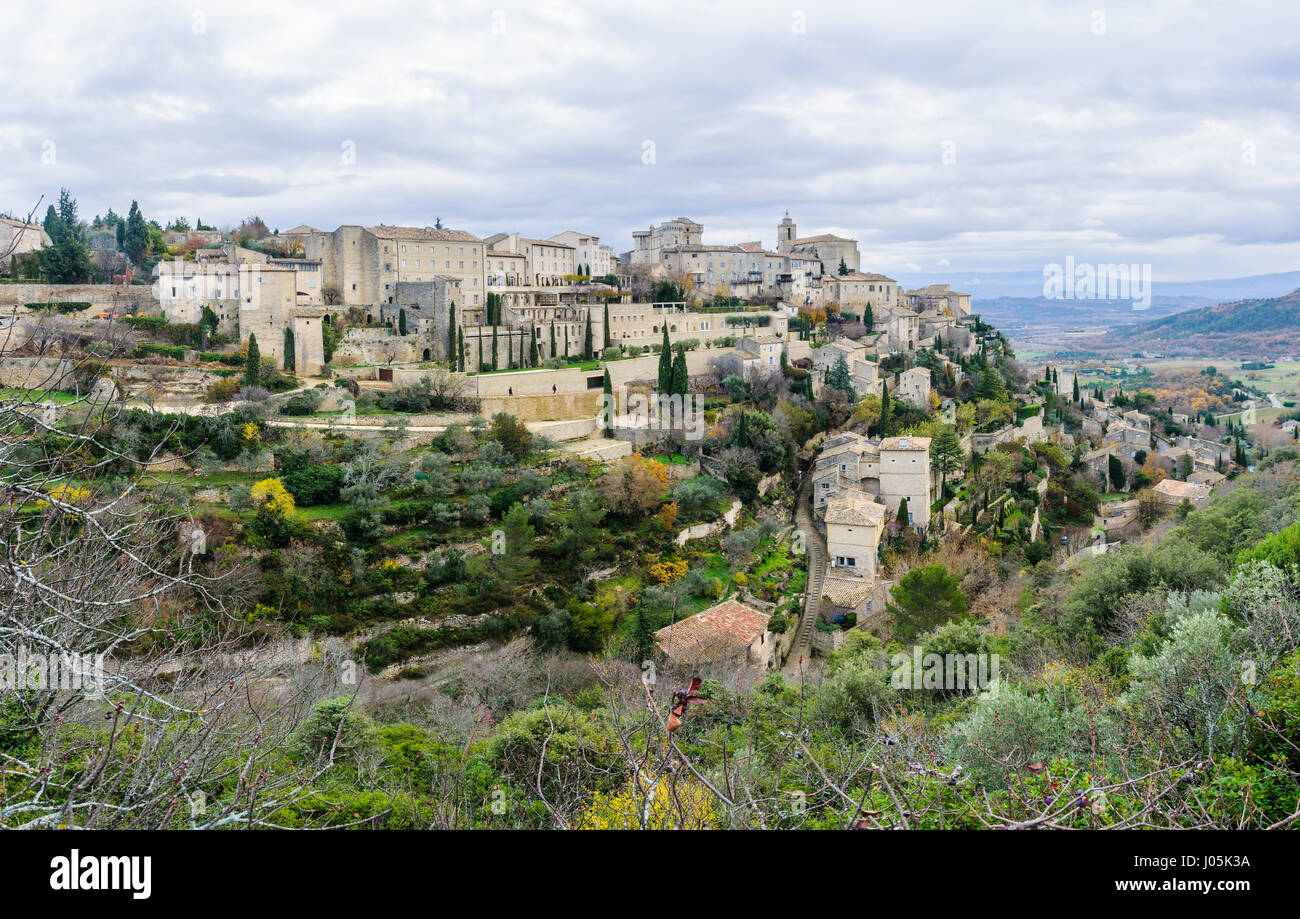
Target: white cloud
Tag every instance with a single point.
(1125, 146)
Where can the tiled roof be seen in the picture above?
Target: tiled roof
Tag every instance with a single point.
(906, 442)
(847, 592)
(854, 509)
(860, 276)
(1175, 489)
(728, 627)
(386, 232)
(823, 238)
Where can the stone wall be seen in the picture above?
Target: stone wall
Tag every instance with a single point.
(123, 300)
(704, 530)
(36, 373)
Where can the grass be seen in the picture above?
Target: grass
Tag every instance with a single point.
(580, 365)
(37, 395)
(325, 511)
(671, 459)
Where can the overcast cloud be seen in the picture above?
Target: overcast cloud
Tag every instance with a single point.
(1165, 134)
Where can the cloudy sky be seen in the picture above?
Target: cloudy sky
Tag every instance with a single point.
(945, 137)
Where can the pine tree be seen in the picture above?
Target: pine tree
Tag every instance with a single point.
(68, 214)
(843, 269)
(253, 363)
(66, 260)
(136, 238)
(666, 366)
(838, 377)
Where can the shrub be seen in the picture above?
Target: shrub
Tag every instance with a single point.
(222, 390)
(314, 484)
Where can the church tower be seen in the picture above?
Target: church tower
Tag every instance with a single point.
(786, 234)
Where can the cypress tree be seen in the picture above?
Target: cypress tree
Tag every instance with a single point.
(253, 363)
(586, 340)
(451, 334)
(666, 366)
(566, 342)
(886, 409)
(680, 381)
(460, 350)
(609, 405)
(479, 367)
(532, 346)
(607, 339)
(740, 437)
(401, 321)
(552, 352)
(494, 347)
(290, 359)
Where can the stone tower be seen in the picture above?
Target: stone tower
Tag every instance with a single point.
(786, 233)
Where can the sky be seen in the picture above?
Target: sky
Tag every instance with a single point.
(987, 136)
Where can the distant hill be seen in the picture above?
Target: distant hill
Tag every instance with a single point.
(1265, 328)
(993, 285)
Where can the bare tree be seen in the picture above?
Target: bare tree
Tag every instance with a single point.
(132, 698)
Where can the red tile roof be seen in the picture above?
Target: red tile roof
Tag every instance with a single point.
(729, 627)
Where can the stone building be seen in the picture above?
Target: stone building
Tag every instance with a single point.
(913, 387)
(942, 298)
(891, 470)
(827, 248)
(550, 263)
(590, 257)
(855, 524)
(18, 237)
(647, 245)
(855, 291)
(720, 642)
(905, 473)
(362, 266)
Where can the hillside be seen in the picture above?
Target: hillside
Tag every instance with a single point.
(1254, 328)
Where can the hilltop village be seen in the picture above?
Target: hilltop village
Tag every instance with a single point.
(475, 471)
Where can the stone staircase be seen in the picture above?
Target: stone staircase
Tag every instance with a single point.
(801, 647)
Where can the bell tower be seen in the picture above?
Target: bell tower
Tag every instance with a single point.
(786, 234)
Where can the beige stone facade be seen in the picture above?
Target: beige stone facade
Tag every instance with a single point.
(18, 237)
